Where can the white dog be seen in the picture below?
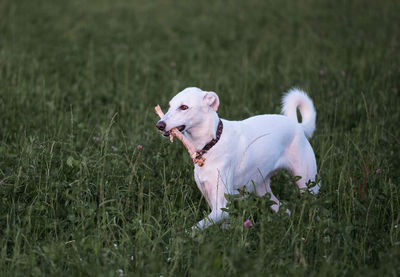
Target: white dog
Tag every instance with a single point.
(243, 153)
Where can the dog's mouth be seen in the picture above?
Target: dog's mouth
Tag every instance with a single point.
(180, 128)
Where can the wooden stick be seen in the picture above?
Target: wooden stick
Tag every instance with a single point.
(176, 133)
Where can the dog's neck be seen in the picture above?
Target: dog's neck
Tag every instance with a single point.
(204, 132)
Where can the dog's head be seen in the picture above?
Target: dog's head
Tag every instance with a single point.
(188, 109)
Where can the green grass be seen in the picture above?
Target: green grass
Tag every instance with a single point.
(78, 83)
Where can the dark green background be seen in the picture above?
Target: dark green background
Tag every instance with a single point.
(78, 83)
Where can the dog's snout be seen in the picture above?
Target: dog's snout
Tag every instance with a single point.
(161, 125)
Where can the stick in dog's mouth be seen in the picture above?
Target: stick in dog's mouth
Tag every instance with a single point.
(176, 132)
(180, 129)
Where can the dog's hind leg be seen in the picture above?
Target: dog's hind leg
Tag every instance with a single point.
(302, 163)
(265, 187)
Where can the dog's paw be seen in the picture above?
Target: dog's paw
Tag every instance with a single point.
(315, 189)
(225, 225)
(193, 231)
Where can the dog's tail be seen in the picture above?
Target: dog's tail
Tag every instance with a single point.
(296, 98)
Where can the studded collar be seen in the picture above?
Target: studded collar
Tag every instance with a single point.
(214, 141)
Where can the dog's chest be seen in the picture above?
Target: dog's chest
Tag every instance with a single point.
(204, 175)
(206, 183)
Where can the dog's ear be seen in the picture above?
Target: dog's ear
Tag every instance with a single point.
(212, 100)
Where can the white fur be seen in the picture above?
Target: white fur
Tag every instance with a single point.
(294, 99)
(249, 151)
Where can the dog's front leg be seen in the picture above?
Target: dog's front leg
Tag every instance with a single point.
(213, 188)
(214, 217)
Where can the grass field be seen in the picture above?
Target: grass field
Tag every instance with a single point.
(89, 187)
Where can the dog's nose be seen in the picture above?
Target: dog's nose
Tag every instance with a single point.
(161, 125)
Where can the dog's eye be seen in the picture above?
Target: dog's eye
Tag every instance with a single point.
(183, 107)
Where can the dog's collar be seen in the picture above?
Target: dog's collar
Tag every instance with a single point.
(214, 141)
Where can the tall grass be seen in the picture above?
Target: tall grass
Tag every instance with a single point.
(89, 187)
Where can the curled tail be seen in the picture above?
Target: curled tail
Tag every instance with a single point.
(296, 98)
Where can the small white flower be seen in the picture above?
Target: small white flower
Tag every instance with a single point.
(169, 259)
(115, 245)
(120, 272)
